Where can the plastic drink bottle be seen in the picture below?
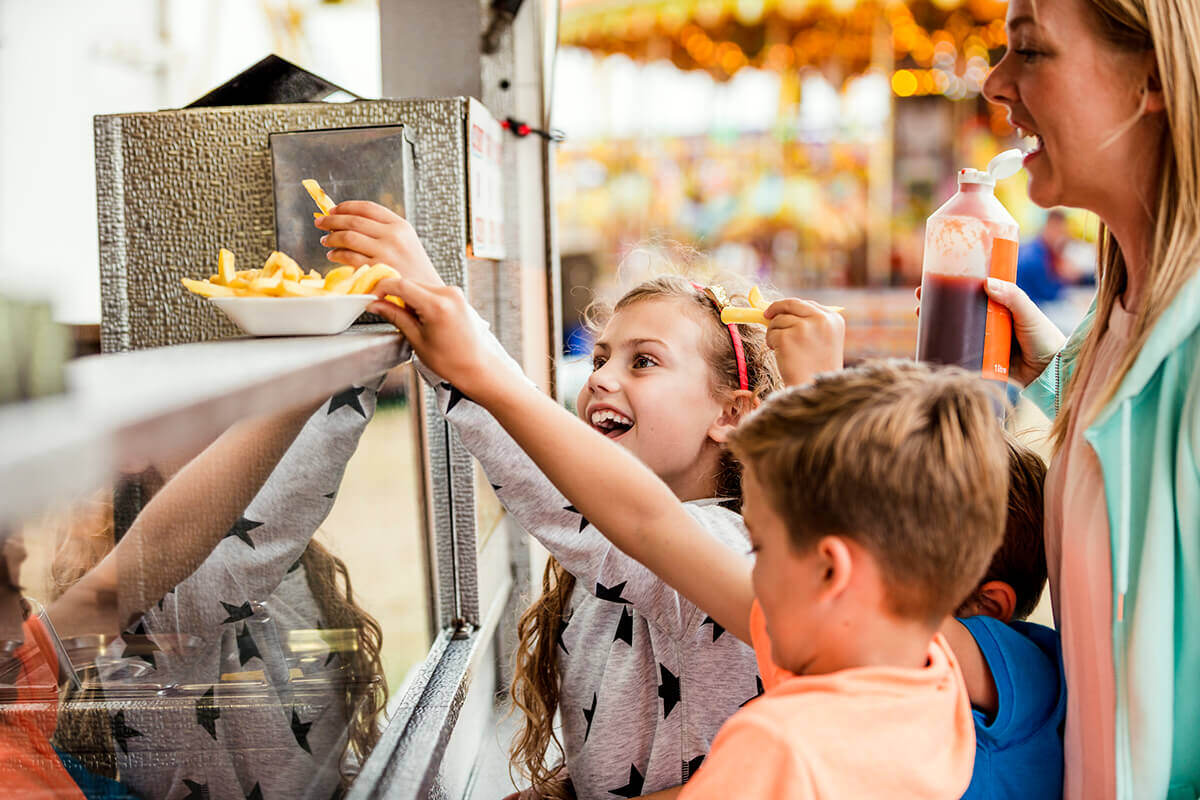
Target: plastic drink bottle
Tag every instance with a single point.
(969, 239)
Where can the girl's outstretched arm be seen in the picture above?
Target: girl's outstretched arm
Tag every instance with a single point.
(608, 485)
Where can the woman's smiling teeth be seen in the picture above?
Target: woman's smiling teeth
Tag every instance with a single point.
(611, 423)
(1031, 142)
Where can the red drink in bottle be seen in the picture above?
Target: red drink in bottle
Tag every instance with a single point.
(969, 239)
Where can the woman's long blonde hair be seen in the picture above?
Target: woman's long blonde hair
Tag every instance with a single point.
(535, 687)
(1170, 29)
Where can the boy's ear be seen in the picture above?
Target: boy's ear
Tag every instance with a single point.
(995, 599)
(837, 563)
(737, 407)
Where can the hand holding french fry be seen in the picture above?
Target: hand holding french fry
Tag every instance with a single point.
(440, 327)
(808, 338)
(361, 232)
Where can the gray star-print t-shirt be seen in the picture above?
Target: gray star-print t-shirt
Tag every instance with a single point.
(646, 678)
(220, 706)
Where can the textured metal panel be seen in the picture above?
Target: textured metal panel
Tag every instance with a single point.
(174, 186)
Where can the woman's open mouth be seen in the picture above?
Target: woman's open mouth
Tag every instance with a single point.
(1032, 143)
(612, 424)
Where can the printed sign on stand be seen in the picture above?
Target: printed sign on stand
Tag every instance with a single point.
(485, 173)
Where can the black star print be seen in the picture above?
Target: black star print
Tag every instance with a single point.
(583, 523)
(625, 628)
(634, 787)
(690, 767)
(758, 683)
(668, 690)
(455, 396)
(717, 629)
(300, 731)
(295, 566)
(348, 398)
(164, 597)
(496, 488)
(237, 613)
(199, 791)
(588, 713)
(241, 530)
(563, 622)
(611, 593)
(247, 647)
(140, 645)
(255, 793)
(207, 712)
(332, 495)
(122, 732)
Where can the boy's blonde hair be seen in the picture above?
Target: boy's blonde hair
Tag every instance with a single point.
(907, 461)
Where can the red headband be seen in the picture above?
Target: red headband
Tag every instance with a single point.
(717, 295)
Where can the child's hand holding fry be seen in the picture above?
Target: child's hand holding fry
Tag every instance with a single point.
(808, 338)
(443, 331)
(361, 232)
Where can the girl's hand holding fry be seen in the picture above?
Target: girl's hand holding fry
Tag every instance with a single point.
(442, 330)
(808, 338)
(361, 232)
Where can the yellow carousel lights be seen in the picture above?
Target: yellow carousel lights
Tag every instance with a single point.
(938, 47)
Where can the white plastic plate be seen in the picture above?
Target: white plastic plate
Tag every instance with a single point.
(294, 316)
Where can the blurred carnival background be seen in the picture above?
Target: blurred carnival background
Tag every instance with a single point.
(798, 143)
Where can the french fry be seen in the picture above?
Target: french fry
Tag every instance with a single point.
(312, 273)
(313, 283)
(289, 288)
(396, 301)
(756, 299)
(282, 263)
(740, 315)
(265, 284)
(337, 274)
(318, 195)
(343, 286)
(364, 283)
(207, 289)
(225, 266)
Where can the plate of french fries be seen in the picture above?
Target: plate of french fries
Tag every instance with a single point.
(281, 299)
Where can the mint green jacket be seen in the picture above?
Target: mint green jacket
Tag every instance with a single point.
(1147, 440)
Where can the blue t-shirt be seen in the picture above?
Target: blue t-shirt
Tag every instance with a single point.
(1019, 750)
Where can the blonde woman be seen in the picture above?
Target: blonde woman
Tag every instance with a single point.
(1110, 88)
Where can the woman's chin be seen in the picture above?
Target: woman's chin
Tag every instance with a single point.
(1043, 193)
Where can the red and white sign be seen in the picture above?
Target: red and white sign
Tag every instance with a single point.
(485, 174)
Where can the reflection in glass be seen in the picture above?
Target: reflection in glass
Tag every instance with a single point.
(215, 648)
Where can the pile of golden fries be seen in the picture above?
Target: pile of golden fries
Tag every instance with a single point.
(281, 276)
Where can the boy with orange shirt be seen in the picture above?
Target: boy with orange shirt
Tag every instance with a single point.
(874, 498)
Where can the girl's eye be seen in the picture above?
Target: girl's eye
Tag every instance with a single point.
(643, 361)
(597, 362)
(1026, 54)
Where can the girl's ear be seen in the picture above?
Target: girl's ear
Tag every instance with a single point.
(737, 407)
(837, 565)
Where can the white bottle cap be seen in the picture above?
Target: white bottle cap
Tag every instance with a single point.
(969, 175)
(1006, 164)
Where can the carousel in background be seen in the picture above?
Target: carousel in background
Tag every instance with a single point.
(801, 143)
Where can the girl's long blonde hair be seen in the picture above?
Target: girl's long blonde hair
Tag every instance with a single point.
(535, 688)
(1170, 29)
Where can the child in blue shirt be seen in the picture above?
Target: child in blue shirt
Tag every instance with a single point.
(1012, 667)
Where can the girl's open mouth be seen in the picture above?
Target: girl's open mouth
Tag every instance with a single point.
(1032, 143)
(610, 423)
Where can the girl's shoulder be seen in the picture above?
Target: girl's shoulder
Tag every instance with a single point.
(719, 518)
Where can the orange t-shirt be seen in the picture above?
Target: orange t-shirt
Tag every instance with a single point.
(867, 732)
(29, 767)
